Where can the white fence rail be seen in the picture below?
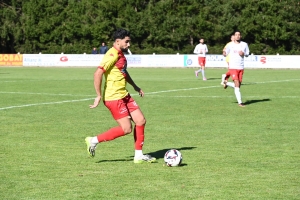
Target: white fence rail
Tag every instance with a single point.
(89, 60)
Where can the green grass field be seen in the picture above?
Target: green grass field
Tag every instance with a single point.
(228, 152)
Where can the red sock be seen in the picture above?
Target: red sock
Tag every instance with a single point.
(139, 137)
(111, 134)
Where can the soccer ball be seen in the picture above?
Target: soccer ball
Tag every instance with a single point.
(173, 158)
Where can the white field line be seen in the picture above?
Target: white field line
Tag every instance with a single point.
(185, 89)
(49, 94)
(211, 97)
(279, 81)
(158, 92)
(46, 103)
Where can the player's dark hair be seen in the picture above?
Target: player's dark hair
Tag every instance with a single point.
(121, 33)
(236, 31)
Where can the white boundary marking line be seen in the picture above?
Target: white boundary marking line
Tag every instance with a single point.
(185, 89)
(32, 93)
(262, 97)
(289, 80)
(149, 93)
(46, 103)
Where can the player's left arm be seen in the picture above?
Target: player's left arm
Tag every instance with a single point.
(132, 83)
(247, 51)
(244, 51)
(206, 49)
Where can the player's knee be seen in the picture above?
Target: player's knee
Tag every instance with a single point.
(127, 129)
(140, 122)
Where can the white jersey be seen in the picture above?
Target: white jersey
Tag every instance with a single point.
(201, 50)
(236, 61)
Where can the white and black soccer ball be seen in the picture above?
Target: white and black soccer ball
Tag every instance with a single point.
(173, 158)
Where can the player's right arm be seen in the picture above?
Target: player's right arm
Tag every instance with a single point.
(224, 49)
(97, 85)
(224, 53)
(108, 61)
(227, 50)
(196, 50)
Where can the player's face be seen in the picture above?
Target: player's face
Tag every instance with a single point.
(232, 38)
(124, 43)
(237, 36)
(201, 41)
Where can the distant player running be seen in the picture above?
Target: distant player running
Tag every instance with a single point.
(201, 50)
(237, 50)
(117, 99)
(227, 75)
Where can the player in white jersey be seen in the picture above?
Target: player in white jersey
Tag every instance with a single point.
(201, 50)
(237, 50)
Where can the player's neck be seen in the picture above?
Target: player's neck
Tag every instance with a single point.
(237, 41)
(117, 47)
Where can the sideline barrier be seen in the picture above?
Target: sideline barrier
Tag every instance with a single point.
(11, 60)
(62, 60)
(161, 60)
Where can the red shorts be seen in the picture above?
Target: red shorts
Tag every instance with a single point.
(122, 107)
(201, 61)
(236, 74)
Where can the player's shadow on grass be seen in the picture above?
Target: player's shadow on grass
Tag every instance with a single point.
(161, 153)
(115, 160)
(213, 78)
(157, 154)
(255, 101)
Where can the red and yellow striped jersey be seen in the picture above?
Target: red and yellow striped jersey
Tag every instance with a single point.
(114, 65)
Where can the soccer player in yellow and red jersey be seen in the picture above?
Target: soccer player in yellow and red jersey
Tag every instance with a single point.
(227, 75)
(117, 99)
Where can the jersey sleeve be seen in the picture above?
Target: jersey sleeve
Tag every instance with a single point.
(196, 50)
(246, 50)
(227, 48)
(226, 45)
(109, 60)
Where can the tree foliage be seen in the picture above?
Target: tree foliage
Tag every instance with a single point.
(160, 26)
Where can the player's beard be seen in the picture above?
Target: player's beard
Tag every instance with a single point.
(124, 50)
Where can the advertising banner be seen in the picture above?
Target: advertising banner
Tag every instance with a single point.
(77, 60)
(11, 60)
(66, 60)
(161, 60)
(211, 61)
(274, 62)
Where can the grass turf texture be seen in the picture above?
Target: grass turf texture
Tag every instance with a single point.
(228, 152)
